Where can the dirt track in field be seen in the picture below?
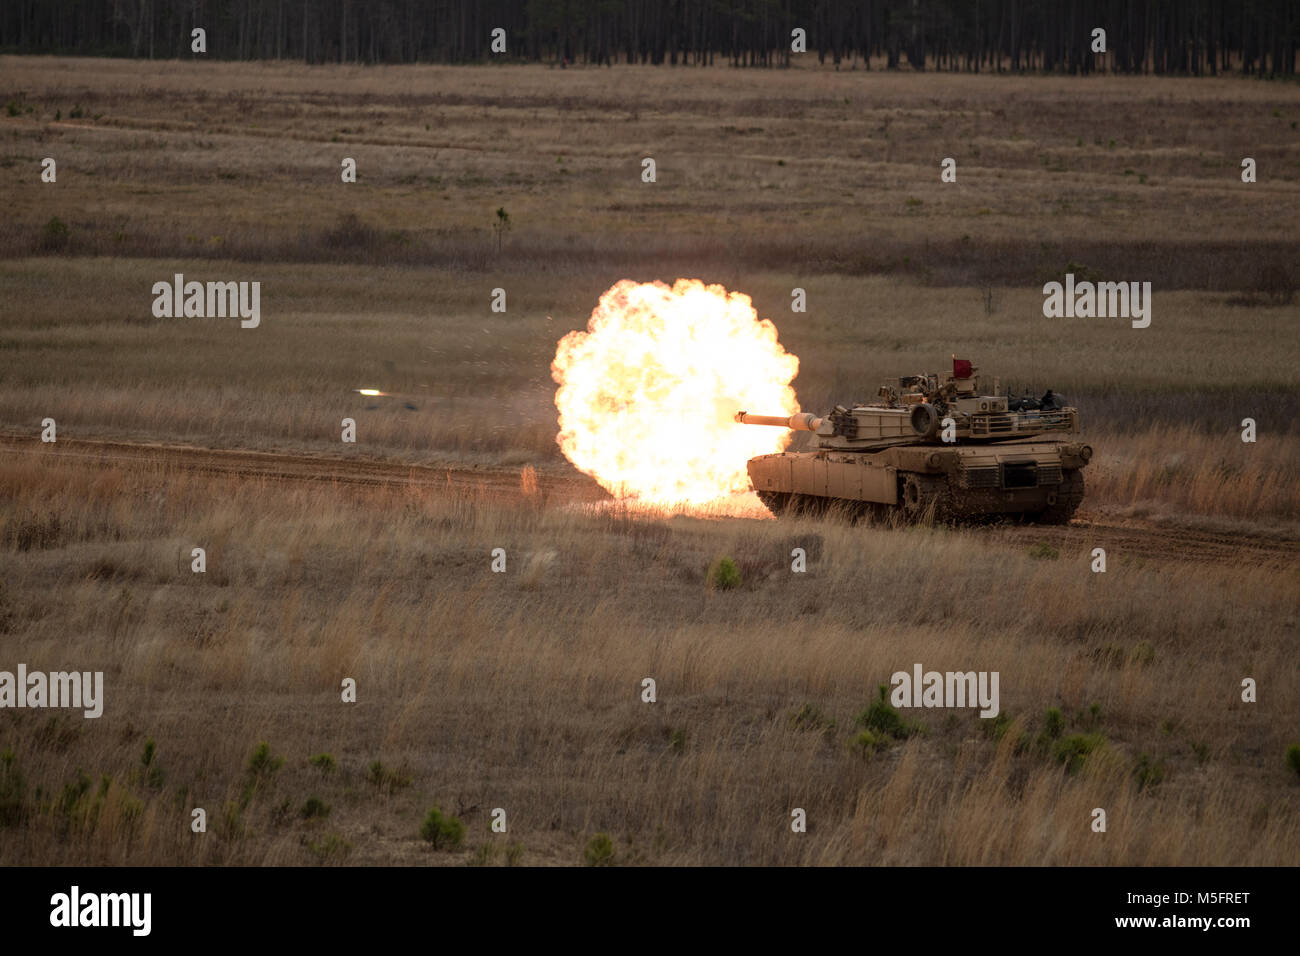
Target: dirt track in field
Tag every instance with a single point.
(1121, 537)
(1161, 542)
(280, 466)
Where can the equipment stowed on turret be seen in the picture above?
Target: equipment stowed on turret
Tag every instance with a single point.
(931, 445)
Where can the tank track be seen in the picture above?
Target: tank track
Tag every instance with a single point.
(785, 504)
(925, 497)
(1068, 498)
(774, 501)
(782, 503)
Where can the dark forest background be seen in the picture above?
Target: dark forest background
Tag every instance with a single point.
(1157, 36)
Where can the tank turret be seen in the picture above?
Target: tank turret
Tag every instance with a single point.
(920, 408)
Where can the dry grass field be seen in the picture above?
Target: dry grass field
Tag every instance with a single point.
(521, 690)
(1162, 405)
(758, 168)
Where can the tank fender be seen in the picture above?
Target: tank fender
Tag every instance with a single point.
(1075, 455)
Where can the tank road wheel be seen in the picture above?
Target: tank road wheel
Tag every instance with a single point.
(925, 496)
(775, 501)
(1068, 497)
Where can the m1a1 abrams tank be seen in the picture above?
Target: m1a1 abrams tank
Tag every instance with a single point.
(931, 446)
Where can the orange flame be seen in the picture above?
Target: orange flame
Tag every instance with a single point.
(649, 392)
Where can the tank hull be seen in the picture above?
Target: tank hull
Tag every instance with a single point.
(1036, 479)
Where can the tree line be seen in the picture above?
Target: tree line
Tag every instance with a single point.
(1196, 37)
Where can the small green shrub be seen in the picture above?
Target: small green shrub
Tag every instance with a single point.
(314, 808)
(724, 575)
(514, 853)
(153, 774)
(54, 235)
(282, 813)
(1149, 772)
(599, 850)
(1293, 758)
(1073, 751)
(329, 848)
(1081, 272)
(501, 226)
(1143, 654)
(261, 763)
(385, 779)
(13, 791)
(865, 744)
(1277, 283)
(1053, 727)
(1044, 550)
(442, 832)
(997, 727)
(484, 854)
(73, 808)
(350, 232)
(73, 792)
(810, 717)
(884, 719)
(129, 811)
(232, 819)
(324, 763)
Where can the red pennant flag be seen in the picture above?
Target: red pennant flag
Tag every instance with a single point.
(961, 368)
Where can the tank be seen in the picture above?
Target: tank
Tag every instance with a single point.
(931, 446)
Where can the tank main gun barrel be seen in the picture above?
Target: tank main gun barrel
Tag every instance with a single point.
(800, 422)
